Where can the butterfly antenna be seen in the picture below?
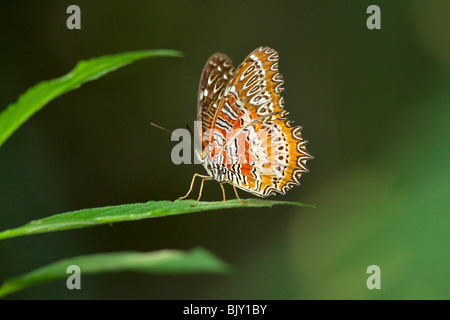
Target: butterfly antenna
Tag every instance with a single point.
(189, 129)
(162, 128)
(196, 143)
(159, 127)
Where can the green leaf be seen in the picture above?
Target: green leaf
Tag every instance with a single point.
(160, 262)
(128, 212)
(42, 93)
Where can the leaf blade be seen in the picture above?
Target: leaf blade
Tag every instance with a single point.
(36, 97)
(130, 212)
(197, 260)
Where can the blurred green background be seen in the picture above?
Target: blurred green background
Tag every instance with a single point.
(374, 105)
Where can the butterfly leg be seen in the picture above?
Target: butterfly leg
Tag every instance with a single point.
(200, 192)
(223, 191)
(192, 183)
(237, 196)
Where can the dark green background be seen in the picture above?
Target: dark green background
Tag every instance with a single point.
(374, 105)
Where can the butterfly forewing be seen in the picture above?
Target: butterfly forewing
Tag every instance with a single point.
(216, 75)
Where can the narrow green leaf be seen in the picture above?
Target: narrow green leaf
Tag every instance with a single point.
(128, 212)
(42, 93)
(160, 262)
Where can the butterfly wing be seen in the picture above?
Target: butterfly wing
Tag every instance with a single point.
(216, 74)
(252, 138)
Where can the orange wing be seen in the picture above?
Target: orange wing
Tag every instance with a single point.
(252, 145)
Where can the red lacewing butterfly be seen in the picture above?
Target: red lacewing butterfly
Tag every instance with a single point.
(246, 138)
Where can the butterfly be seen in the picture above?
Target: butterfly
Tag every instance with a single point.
(246, 137)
